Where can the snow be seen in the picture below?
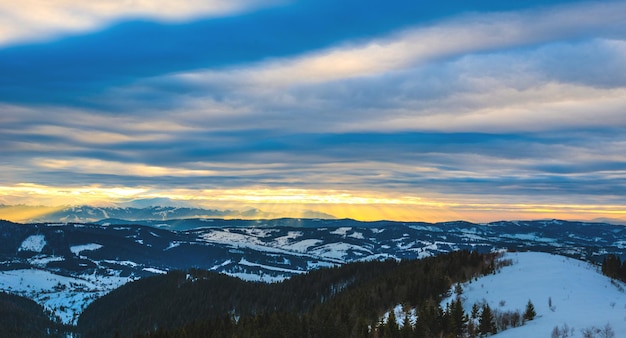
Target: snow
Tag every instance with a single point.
(221, 265)
(116, 262)
(401, 315)
(338, 250)
(284, 240)
(42, 261)
(318, 264)
(236, 240)
(34, 243)
(154, 270)
(65, 296)
(251, 277)
(356, 235)
(244, 261)
(340, 231)
(302, 246)
(530, 237)
(172, 245)
(581, 297)
(77, 249)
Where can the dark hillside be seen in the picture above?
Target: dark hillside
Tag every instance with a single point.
(338, 302)
(22, 317)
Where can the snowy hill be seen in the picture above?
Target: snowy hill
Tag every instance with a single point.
(581, 297)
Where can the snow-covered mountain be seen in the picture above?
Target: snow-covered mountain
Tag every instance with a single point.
(64, 266)
(156, 209)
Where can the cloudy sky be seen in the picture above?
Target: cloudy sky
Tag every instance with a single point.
(406, 110)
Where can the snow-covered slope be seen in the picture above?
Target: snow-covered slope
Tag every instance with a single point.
(580, 295)
(65, 296)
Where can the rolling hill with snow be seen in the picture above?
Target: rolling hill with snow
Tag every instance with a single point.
(567, 293)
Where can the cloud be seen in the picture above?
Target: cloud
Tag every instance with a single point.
(450, 38)
(463, 110)
(125, 52)
(36, 20)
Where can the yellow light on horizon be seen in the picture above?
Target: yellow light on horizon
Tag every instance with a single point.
(290, 202)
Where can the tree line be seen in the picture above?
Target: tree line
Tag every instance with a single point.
(345, 301)
(22, 317)
(613, 267)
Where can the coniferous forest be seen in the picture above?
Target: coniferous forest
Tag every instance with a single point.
(22, 317)
(612, 266)
(345, 301)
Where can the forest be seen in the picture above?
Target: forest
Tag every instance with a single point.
(612, 266)
(345, 301)
(22, 317)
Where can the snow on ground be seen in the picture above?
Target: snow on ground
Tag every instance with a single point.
(244, 261)
(401, 315)
(65, 296)
(42, 260)
(339, 250)
(259, 233)
(341, 231)
(172, 245)
(357, 235)
(533, 237)
(251, 277)
(114, 262)
(317, 264)
(581, 296)
(155, 270)
(77, 249)
(236, 240)
(221, 265)
(34, 243)
(291, 235)
(302, 246)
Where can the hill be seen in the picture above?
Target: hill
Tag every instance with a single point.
(331, 302)
(22, 317)
(568, 294)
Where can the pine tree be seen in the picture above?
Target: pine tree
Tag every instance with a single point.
(457, 319)
(475, 309)
(392, 324)
(407, 328)
(486, 324)
(530, 313)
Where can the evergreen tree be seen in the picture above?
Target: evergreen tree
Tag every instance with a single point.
(530, 313)
(407, 327)
(487, 324)
(392, 325)
(475, 310)
(457, 319)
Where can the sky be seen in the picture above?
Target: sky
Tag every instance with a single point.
(400, 110)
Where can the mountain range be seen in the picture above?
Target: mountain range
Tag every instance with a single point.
(66, 266)
(138, 210)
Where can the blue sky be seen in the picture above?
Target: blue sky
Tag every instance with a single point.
(366, 109)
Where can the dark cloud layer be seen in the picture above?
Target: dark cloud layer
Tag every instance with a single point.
(72, 67)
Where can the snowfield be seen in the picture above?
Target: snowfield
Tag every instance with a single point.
(34, 243)
(580, 295)
(77, 249)
(67, 297)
